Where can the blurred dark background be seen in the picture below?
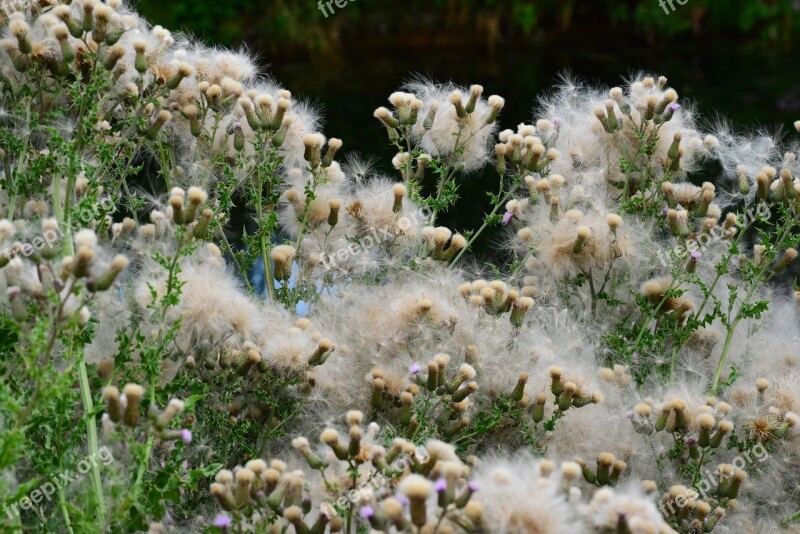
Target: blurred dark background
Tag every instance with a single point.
(734, 58)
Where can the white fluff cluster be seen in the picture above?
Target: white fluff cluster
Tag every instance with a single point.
(627, 341)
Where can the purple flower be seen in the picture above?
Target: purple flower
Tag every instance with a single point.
(674, 106)
(403, 499)
(415, 369)
(474, 486)
(695, 255)
(186, 435)
(440, 485)
(507, 217)
(223, 521)
(367, 512)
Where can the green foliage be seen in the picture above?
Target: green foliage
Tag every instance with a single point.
(292, 25)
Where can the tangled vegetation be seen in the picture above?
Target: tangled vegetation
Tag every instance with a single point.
(338, 361)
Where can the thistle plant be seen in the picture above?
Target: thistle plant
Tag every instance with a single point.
(192, 278)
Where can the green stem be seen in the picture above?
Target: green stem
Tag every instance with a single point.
(91, 426)
(238, 265)
(723, 357)
(791, 520)
(725, 261)
(63, 504)
(755, 285)
(12, 189)
(650, 316)
(439, 191)
(268, 269)
(140, 471)
(483, 227)
(450, 174)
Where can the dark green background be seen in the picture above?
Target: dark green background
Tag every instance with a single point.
(736, 59)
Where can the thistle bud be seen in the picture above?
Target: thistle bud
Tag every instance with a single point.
(475, 93)
(496, 103)
(723, 429)
(333, 215)
(282, 256)
(672, 153)
(111, 399)
(706, 423)
(739, 476)
(294, 515)
(104, 281)
(321, 354)
(744, 182)
(417, 489)
(304, 448)
(200, 230)
(650, 108)
(556, 386)
(584, 233)
(605, 462)
(538, 409)
(464, 392)
(83, 259)
(161, 119)
(334, 145)
(433, 376)
(19, 30)
(457, 243)
(284, 104)
(617, 468)
(133, 396)
(140, 62)
(427, 124)
(788, 184)
(567, 395)
(387, 118)
(184, 71)
(224, 496)
(455, 98)
(400, 191)
(519, 388)
(330, 437)
(173, 409)
(762, 185)
(611, 117)
(250, 114)
(788, 257)
(500, 151)
(588, 474)
(601, 116)
(354, 447)
(246, 363)
(313, 149)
